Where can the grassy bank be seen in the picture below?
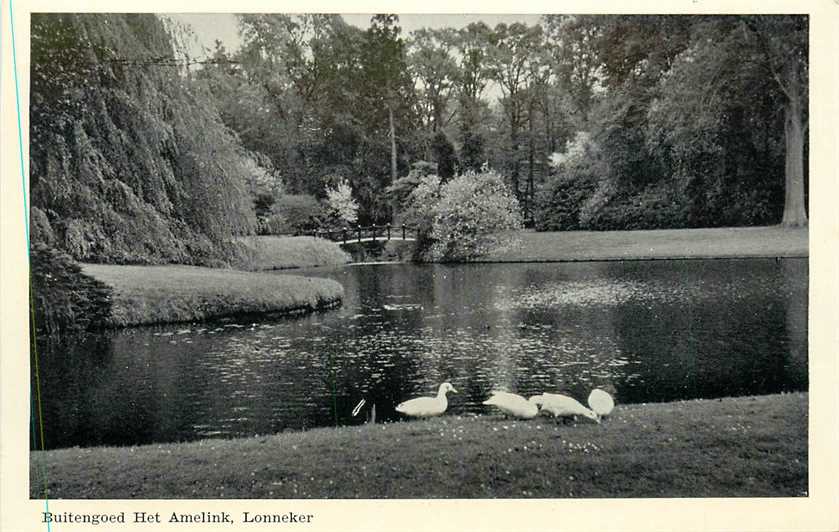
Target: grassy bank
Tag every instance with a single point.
(752, 446)
(724, 242)
(280, 253)
(163, 294)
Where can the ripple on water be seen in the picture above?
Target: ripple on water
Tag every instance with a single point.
(613, 292)
(642, 332)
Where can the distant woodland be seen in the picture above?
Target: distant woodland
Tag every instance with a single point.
(140, 153)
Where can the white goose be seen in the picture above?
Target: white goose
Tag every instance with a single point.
(601, 402)
(564, 406)
(427, 406)
(514, 405)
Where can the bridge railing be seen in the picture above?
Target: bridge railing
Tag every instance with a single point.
(359, 233)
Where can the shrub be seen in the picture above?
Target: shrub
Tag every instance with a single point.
(297, 213)
(265, 185)
(418, 212)
(65, 301)
(400, 190)
(558, 203)
(273, 224)
(472, 215)
(570, 196)
(654, 207)
(604, 192)
(40, 228)
(422, 202)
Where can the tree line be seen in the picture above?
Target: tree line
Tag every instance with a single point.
(594, 122)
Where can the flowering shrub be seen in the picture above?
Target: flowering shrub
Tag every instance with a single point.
(472, 216)
(579, 149)
(341, 202)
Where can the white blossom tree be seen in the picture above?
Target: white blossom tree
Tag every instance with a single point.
(341, 202)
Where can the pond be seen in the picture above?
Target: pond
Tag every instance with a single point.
(653, 330)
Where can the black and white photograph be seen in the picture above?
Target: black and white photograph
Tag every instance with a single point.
(322, 256)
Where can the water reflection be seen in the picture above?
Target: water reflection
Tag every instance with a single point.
(656, 331)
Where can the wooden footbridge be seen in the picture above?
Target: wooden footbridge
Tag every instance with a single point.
(370, 233)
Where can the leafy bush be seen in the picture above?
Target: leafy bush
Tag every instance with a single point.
(558, 203)
(65, 301)
(296, 213)
(422, 202)
(471, 217)
(655, 207)
(264, 184)
(400, 190)
(572, 192)
(604, 192)
(273, 224)
(39, 227)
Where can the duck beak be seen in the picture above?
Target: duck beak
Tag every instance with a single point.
(453, 390)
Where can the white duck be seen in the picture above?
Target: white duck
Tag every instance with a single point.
(564, 406)
(601, 402)
(514, 405)
(427, 406)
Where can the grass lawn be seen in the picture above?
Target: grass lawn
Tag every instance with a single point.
(723, 242)
(750, 446)
(163, 294)
(280, 252)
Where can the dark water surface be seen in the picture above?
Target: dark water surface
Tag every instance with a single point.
(655, 330)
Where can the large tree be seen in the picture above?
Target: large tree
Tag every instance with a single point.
(513, 48)
(385, 66)
(784, 43)
(472, 46)
(434, 70)
(573, 47)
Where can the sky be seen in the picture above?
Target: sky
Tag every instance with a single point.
(223, 26)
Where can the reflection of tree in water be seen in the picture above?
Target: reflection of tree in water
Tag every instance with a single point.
(795, 277)
(731, 341)
(82, 402)
(726, 328)
(477, 339)
(377, 357)
(566, 357)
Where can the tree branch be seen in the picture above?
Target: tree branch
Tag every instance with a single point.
(767, 50)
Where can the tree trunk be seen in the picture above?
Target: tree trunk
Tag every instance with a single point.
(514, 147)
(549, 140)
(795, 213)
(531, 159)
(437, 111)
(392, 144)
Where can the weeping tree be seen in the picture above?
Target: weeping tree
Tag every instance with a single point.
(130, 161)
